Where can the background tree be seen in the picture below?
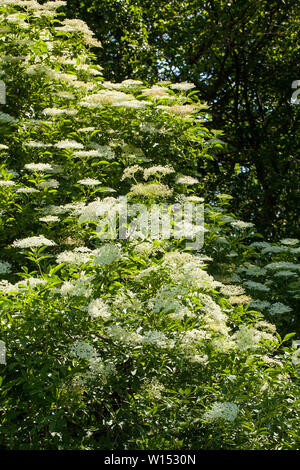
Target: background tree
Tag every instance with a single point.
(242, 56)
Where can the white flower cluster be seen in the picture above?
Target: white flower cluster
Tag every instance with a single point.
(157, 92)
(107, 254)
(97, 209)
(130, 171)
(184, 86)
(68, 144)
(98, 309)
(222, 410)
(83, 350)
(257, 286)
(187, 180)
(290, 241)
(49, 219)
(6, 287)
(77, 288)
(179, 110)
(105, 97)
(24, 190)
(283, 265)
(49, 184)
(30, 282)
(165, 302)
(242, 225)
(153, 389)
(274, 249)
(89, 182)
(247, 338)
(33, 242)
(152, 190)
(126, 300)
(5, 267)
(158, 171)
(54, 112)
(285, 273)
(86, 154)
(7, 183)
(39, 167)
(76, 257)
(158, 339)
(252, 270)
(105, 151)
(37, 145)
(279, 308)
(260, 304)
(119, 334)
(232, 290)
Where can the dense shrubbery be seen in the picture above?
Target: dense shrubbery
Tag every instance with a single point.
(127, 344)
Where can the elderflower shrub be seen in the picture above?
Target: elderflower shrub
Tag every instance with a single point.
(101, 333)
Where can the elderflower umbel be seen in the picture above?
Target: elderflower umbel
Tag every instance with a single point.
(279, 308)
(256, 286)
(79, 287)
(83, 350)
(98, 309)
(260, 304)
(247, 338)
(290, 241)
(232, 290)
(107, 254)
(5, 267)
(222, 410)
(38, 167)
(89, 182)
(73, 257)
(188, 180)
(33, 242)
(68, 144)
(183, 86)
(49, 184)
(150, 190)
(242, 225)
(49, 219)
(7, 183)
(130, 171)
(158, 171)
